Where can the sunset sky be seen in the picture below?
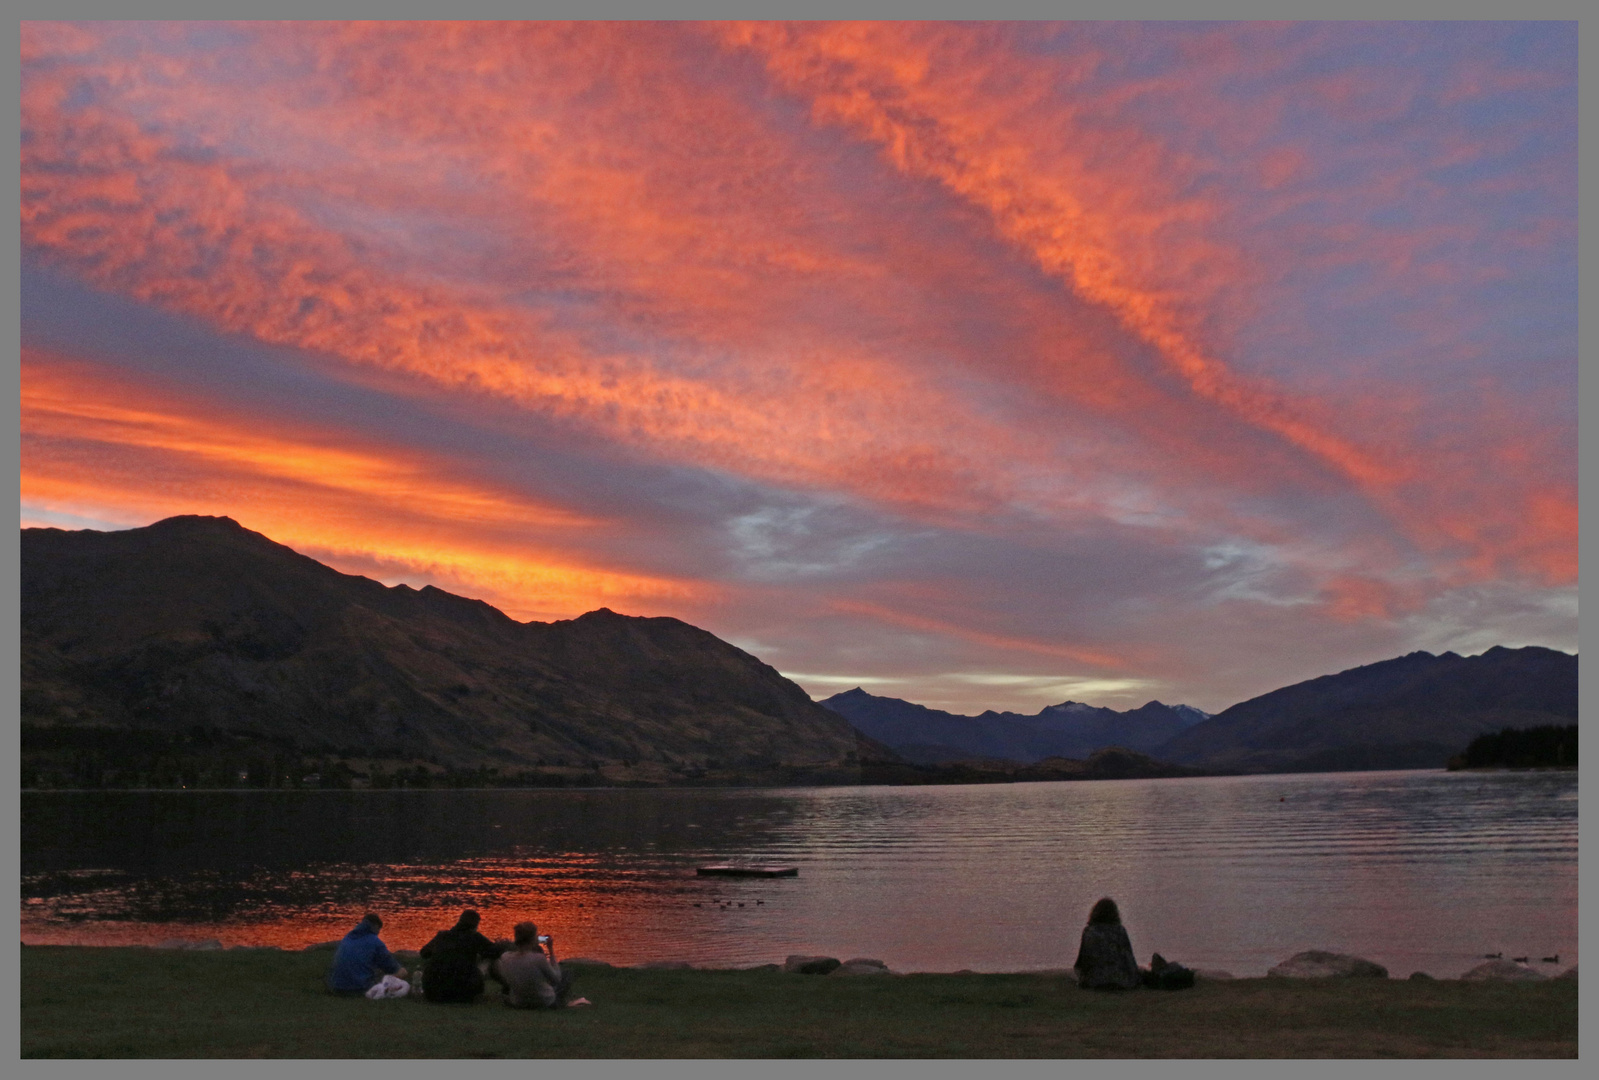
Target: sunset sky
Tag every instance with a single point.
(983, 365)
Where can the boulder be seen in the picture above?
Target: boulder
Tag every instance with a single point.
(1502, 971)
(1105, 959)
(861, 966)
(1569, 973)
(762, 967)
(1421, 976)
(1212, 974)
(810, 965)
(1318, 964)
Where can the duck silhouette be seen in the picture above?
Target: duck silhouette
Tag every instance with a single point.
(1493, 956)
(1519, 959)
(760, 901)
(1555, 959)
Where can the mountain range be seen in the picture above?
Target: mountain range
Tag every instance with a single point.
(1414, 711)
(158, 642)
(196, 623)
(1069, 730)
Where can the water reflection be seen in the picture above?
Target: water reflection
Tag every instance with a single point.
(1415, 870)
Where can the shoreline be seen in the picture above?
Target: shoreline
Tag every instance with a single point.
(983, 777)
(102, 1002)
(1216, 972)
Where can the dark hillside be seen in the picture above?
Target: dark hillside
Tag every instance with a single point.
(1414, 711)
(197, 624)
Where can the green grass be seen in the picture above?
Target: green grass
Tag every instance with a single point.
(144, 1003)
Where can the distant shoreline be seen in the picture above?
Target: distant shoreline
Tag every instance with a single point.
(692, 786)
(778, 785)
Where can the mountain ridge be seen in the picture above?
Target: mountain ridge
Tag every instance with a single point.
(197, 622)
(1069, 730)
(1411, 711)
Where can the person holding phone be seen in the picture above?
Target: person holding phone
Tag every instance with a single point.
(534, 980)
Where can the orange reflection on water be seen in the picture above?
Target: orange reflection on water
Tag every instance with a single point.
(590, 905)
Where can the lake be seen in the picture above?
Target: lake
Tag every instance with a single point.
(1418, 870)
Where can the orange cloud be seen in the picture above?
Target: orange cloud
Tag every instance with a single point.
(1102, 207)
(630, 230)
(1103, 234)
(95, 443)
(142, 213)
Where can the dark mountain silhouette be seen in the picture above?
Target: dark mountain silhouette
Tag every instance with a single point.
(1068, 730)
(196, 623)
(1415, 711)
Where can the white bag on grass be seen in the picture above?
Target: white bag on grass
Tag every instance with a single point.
(390, 987)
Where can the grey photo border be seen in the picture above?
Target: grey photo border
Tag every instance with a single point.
(722, 9)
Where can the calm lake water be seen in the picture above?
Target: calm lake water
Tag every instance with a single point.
(1416, 870)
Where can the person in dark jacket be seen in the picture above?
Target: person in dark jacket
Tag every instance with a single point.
(362, 959)
(1105, 955)
(452, 973)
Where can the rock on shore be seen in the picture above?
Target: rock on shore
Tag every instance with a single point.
(861, 966)
(811, 965)
(1318, 964)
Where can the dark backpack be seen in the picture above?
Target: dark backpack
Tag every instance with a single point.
(1165, 975)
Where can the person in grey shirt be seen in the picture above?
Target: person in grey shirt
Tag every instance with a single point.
(534, 980)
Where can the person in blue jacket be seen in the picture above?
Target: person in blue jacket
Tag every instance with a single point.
(362, 959)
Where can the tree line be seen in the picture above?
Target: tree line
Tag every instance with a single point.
(1548, 746)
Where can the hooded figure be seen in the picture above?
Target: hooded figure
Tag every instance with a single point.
(1105, 958)
(362, 959)
(452, 972)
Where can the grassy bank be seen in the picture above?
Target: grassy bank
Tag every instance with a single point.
(80, 1002)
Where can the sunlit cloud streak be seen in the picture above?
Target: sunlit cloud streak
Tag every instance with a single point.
(93, 441)
(1104, 207)
(1020, 343)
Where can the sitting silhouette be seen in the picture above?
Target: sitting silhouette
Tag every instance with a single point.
(1105, 955)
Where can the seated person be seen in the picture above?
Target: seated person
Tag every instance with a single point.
(451, 973)
(362, 959)
(1105, 953)
(532, 980)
